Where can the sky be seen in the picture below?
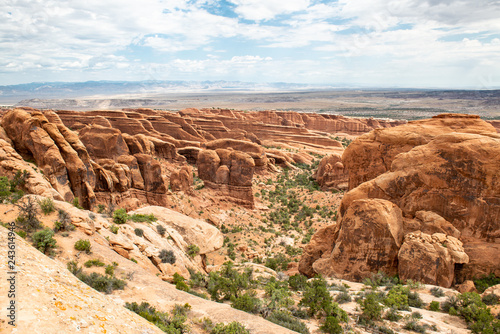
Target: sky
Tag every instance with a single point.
(369, 43)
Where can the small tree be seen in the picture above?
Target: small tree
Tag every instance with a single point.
(28, 213)
(43, 240)
(120, 216)
(83, 245)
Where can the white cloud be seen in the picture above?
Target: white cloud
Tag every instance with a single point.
(258, 10)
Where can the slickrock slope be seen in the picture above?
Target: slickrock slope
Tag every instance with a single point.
(49, 299)
(444, 179)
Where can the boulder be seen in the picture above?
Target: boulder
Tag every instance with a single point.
(430, 259)
(331, 173)
(182, 180)
(366, 240)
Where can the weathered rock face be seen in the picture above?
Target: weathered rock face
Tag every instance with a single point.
(256, 151)
(331, 173)
(371, 154)
(455, 175)
(230, 172)
(430, 259)
(63, 161)
(322, 242)
(182, 180)
(367, 240)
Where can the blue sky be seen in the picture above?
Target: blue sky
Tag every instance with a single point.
(374, 43)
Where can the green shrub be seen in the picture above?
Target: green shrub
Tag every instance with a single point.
(174, 324)
(434, 306)
(277, 263)
(101, 208)
(114, 228)
(485, 282)
(193, 250)
(58, 226)
(27, 219)
(412, 325)
(297, 282)
(343, 297)
(331, 325)
(167, 256)
(231, 328)
(247, 303)
(141, 218)
(393, 315)
(279, 296)
(397, 298)
(450, 302)
(371, 307)
(437, 292)
(110, 270)
(83, 245)
(139, 232)
(490, 299)
(317, 298)
(47, 205)
(414, 300)
(228, 283)
(133, 260)
(161, 230)
(380, 279)
(94, 262)
(285, 319)
(120, 216)
(43, 240)
(96, 281)
(22, 234)
(76, 203)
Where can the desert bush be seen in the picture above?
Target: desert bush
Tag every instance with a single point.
(437, 292)
(278, 262)
(174, 324)
(414, 300)
(490, 299)
(43, 240)
(110, 270)
(397, 298)
(247, 302)
(101, 208)
(317, 299)
(485, 282)
(343, 297)
(167, 256)
(83, 245)
(413, 325)
(139, 232)
(286, 319)
(380, 279)
(434, 306)
(450, 302)
(161, 230)
(393, 315)
(120, 216)
(76, 203)
(47, 205)
(297, 282)
(332, 326)
(193, 250)
(141, 218)
(180, 282)
(371, 307)
(114, 228)
(28, 212)
(228, 282)
(96, 281)
(94, 262)
(231, 328)
(278, 295)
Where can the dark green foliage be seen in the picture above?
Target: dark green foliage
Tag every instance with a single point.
(174, 324)
(286, 319)
(231, 328)
(278, 295)
(197, 279)
(167, 256)
(485, 282)
(437, 292)
(83, 245)
(331, 325)
(97, 281)
(110, 270)
(413, 325)
(317, 300)
(76, 203)
(397, 298)
(278, 262)
(141, 218)
(94, 262)
(101, 208)
(180, 282)
(10, 189)
(114, 228)
(384, 330)
(393, 315)
(490, 299)
(247, 303)
(228, 282)
(450, 302)
(471, 308)
(371, 307)
(343, 297)
(414, 300)
(434, 306)
(120, 216)
(139, 232)
(297, 282)
(193, 250)
(161, 230)
(381, 279)
(43, 240)
(47, 205)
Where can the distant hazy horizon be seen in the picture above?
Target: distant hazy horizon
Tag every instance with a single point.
(435, 44)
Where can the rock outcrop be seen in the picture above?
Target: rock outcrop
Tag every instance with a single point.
(366, 240)
(229, 172)
(331, 173)
(430, 259)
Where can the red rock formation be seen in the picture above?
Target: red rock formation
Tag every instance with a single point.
(372, 154)
(182, 180)
(256, 151)
(230, 172)
(366, 240)
(331, 173)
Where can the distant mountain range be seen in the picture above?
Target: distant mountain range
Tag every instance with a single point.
(107, 88)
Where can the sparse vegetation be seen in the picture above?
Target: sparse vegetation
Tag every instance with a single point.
(193, 250)
(97, 281)
(120, 216)
(167, 256)
(114, 228)
(43, 240)
(139, 232)
(142, 218)
(173, 323)
(231, 328)
(94, 262)
(161, 230)
(83, 245)
(47, 205)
